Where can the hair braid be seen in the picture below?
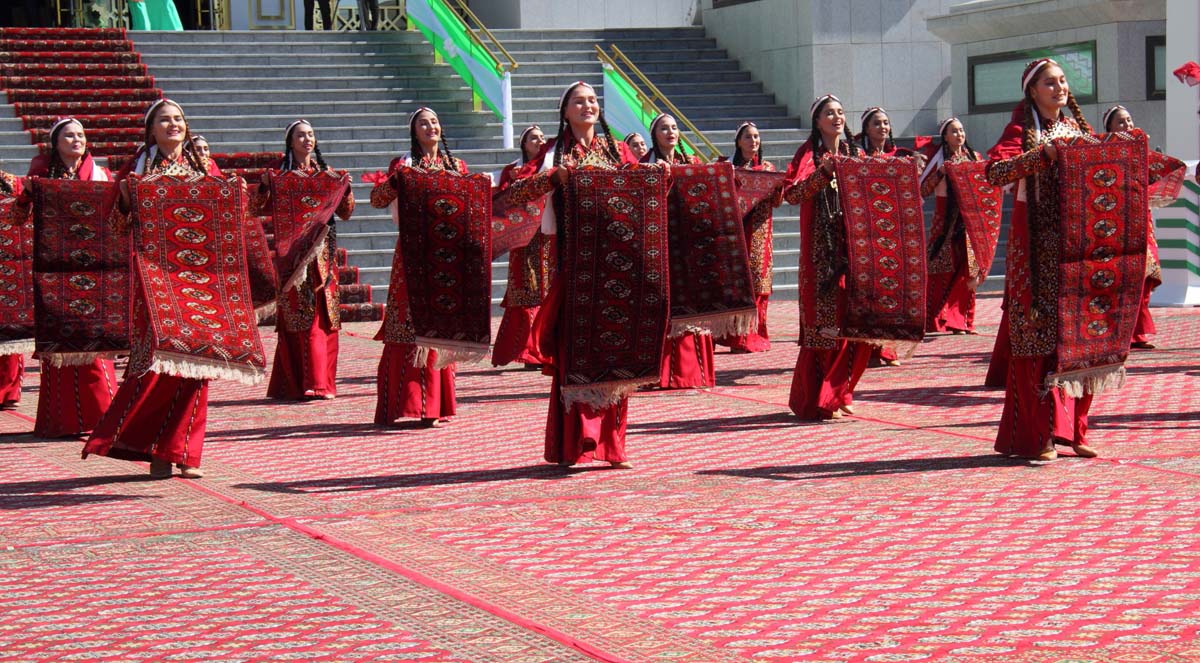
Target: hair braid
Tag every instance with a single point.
(1030, 140)
(610, 145)
(1075, 111)
(320, 159)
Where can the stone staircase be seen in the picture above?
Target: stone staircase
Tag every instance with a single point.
(240, 89)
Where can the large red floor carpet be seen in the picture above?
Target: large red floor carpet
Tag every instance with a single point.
(741, 534)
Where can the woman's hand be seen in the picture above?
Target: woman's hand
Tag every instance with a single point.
(1051, 152)
(827, 164)
(559, 175)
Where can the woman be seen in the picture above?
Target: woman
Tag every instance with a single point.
(578, 433)
(953, 273)
(637, 145)
(71, 399)
(157, 417)
(12, 366)
(1036, 419)
(530, 270)
(306, 318)
(687, 359)
(200, 143)
(1118, 118)
(747, 155)
(425, 392)
(827, 369)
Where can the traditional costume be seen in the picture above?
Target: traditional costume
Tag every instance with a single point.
(413, 381)
(530, 272)
(12, 364)
(953, 269)
(759, 233)
(157, 414)
(576, 431)
(687, 361)
(306, 314)
(827, 368)
(71, 397)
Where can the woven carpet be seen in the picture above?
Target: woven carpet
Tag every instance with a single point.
(60, 72)
(741, 535)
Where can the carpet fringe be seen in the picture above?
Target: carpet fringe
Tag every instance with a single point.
(265, 311)
(449, 352)
(729, 323)
(903, 349)
(195, 368)
(62, 359)
(18, 347)
(1094, 380)
(601, 395)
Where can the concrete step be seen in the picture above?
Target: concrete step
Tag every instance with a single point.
(527, 41)
(239, 58)
(238, 37)
(289, 47)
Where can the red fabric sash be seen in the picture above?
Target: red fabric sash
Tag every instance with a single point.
(190, 266)
(302, 206)
(758, 195)
(615, 276)
(885, 243)
(80, 271)
(16, 283)
(514, 225)
(1102, 202)
(440, 295)
(712, 290)
(979, 204)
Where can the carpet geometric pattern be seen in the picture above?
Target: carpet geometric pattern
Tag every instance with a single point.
(741, 535)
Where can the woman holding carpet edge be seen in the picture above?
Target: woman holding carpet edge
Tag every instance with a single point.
(160, 411)
(307, 322)
(1035, 418)
(827, 369)
(413, 381)
(584, 422)
(72, 397)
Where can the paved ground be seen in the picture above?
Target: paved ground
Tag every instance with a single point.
(741, 534)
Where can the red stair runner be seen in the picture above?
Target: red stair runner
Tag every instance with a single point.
(48, 73)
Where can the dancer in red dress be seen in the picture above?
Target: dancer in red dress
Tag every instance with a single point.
(530, 270)
(952, 269)
(580, 432)
(688, 359)
(404, 390)
(306, 316)
(1118, 118)
(71, 398)
(747, 155)
(827, 369)
(12, 366)
(157, 417)
(1036, 419)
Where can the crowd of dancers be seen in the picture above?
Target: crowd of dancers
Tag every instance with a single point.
(160, 417)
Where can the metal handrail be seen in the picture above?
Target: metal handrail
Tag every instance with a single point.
(500, 66)
(658, 96)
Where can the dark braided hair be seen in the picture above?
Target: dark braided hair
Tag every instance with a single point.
(675, 153)
(445, 157)
(564, 129)
(946, 146)
(889, 143)
(738, 160)
(57, 168)
(288, 159)
(1030, 139)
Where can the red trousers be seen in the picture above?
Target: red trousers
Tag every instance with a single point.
(688, 362)
(824, 380)
(755, 341)
(1032, 421)
(306, 362)
(12, 371)
(584, 433)
(514, 337)
(72, 399)
(1144, 327)
(154, 416)
(405, 390)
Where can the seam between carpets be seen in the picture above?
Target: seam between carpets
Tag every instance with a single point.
(420, 578)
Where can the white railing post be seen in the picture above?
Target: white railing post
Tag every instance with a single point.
(507, 103)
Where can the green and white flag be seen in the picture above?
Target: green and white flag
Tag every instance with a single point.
(449, 36)
(624, 113)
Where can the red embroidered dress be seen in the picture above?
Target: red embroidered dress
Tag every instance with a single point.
(530, 272)
(582, 432)
(71, 399)
(12, 366)
(1033, 419)
(759, 237)
(306, 316)
(952, 269)
(404, 390)
(154, 415)
(827, 368)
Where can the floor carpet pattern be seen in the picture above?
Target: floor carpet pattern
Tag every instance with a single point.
(741, 535)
